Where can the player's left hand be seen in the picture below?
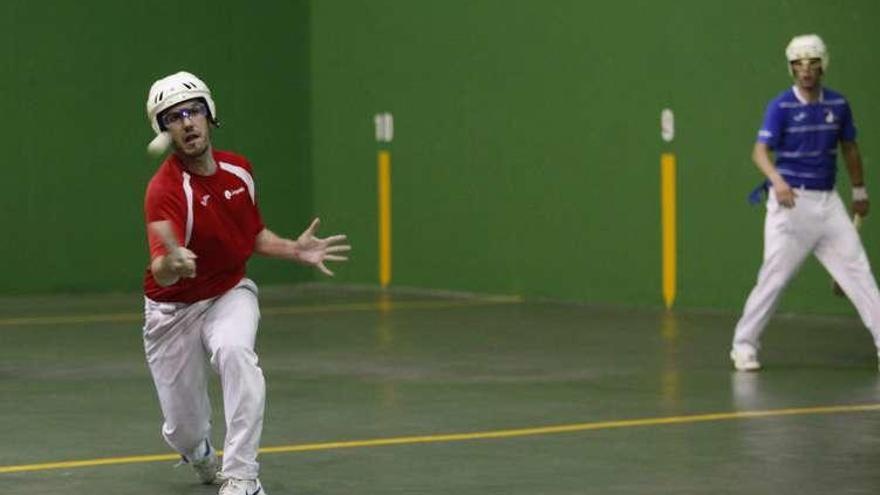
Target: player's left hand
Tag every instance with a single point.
(861, 208)
(313, 250)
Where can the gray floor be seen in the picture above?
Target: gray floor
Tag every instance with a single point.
(631, 388)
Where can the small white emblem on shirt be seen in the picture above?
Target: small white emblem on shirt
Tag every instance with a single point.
(829, 116)
(799, 117)
(229, 194)
(205, 199)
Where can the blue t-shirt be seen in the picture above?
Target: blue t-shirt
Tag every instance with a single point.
(805, 136)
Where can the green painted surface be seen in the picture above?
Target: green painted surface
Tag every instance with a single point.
(77, 392)
(75, 77)
(527, 146)
(526, 155)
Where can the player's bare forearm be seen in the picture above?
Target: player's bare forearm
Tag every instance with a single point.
(853, 160)
(273, 246)
(177, 261)
(784, 194)
(762, 160)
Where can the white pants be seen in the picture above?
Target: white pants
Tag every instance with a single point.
(818, 224)
(179, 339)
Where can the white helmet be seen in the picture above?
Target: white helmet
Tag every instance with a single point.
(806, 46)
(169, 91)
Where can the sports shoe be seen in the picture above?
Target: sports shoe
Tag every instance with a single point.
(206, 466)
(235, 486)
(745, 359)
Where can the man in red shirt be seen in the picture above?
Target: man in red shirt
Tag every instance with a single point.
(203, 223)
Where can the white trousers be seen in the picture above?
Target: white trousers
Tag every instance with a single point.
(818, 224)
(179, 340)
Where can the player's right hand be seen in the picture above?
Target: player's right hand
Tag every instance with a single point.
(784, 194)
(182, 262)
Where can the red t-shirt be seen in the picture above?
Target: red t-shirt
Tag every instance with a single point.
(215, 216)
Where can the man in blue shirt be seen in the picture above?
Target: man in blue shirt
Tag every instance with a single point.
(803, 127)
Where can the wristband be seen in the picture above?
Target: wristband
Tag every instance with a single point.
(859, 193)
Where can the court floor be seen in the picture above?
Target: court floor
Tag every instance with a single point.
(414, 393)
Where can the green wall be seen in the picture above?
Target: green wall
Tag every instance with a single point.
(527, 141)
(73, 82)
(526, 151)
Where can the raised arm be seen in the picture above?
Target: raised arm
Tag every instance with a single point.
(307, 249)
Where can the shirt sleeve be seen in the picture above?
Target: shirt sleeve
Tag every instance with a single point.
(847, 126)
(161, 204)
(256, 218)
(258, 221)
(771, 129)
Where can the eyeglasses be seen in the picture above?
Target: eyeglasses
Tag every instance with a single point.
(806, 64)
(176, 116)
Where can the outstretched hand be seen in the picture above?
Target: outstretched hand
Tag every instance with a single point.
(313, 250)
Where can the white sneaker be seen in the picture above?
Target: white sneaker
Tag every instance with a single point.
(207, 466)
(235, 486)
(745, 359)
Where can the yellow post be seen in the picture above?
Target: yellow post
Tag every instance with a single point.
(667, 215)
(384, 164)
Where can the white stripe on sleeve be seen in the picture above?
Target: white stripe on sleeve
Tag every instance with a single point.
(188, 192)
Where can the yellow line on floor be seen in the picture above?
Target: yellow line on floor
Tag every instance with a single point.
(482, 435)
(270, 311)
(88, 463)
